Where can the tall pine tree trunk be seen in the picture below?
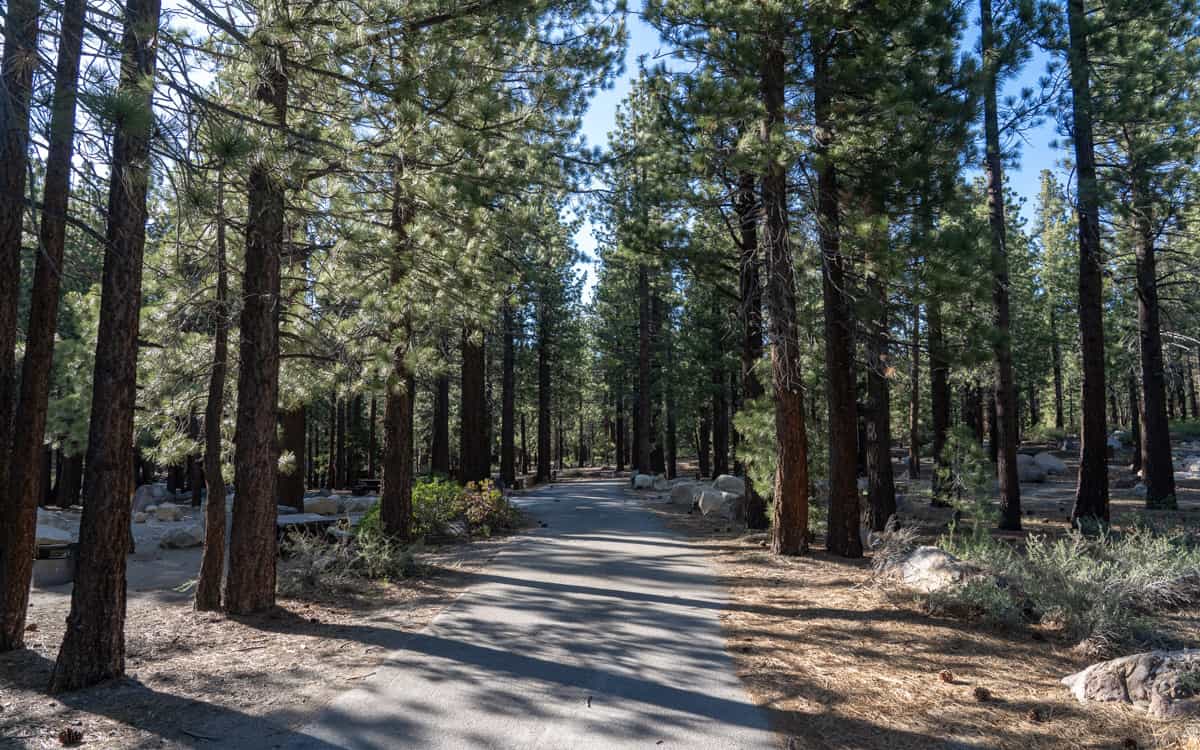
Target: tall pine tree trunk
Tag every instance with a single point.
(544, 395)
(508, 469)
(750, 315)
(212, 565)
(439, 449)
(914, 396)
(1056, 364)
(16, 82)
(250, 586)
(1091, 494)
(20, 497)
(619, 437)
(789, 530)
(474, 461)
(1135, 420)
(844, 537)
(1158, 471)
(720, 420)
(881, 487)
(1006, 424)
(939, 389)
(395, 501)
(93, 648)
(642, 414)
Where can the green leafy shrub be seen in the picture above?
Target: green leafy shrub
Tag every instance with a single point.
(485, 509)
(966, 478)
(438, 502)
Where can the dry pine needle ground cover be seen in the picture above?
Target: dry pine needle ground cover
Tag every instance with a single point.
(841, 663)
(198, 678)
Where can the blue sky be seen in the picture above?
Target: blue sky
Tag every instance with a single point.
(1035, 152)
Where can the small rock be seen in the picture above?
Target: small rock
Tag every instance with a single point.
(183, 537)
(946, 675)
(643, 482)
(139, 517)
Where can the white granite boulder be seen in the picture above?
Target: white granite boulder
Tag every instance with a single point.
(1050, 463)
(168, 512)
(661, 484)
(52, 535)
(643, 482)
(929, 569)
(183, 537)
(359, 504)
(685, 493)
(731, 484)
(713, 501)
(1165, 684)
(1029, 470)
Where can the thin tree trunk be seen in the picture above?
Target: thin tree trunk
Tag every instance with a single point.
(19, 487)
(331, 471)
(1006, 425)
(291, 485)
(939, 388)
(250, 585)
(1135, 418)
(642, 415)
(914, 399)
(789, 530)
(372, 442)
(1159, 472)
(619, 437)
(93, 647)
(544, 395)
(750, 314)
(508, 391)
(439, 449)
(720, 422)
(339, 480)
(1056, 361)
(212, 565)
(524, 447)
(1091, 494)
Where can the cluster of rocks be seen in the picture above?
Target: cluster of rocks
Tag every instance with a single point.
(724, 496)
(1165, 684)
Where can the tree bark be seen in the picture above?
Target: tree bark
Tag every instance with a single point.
(1091, 494)
(1157, 466)
(844, 537)
(508, 391)
(642, 415)
(881, 487)
(720, 421)
(789, 530)
(395, 501)
(544, 436)
(914, 400)
(474, 461)
(939, 387)
(1135, 419)
(750, 315)
(16, 83)
(439, 449)
(212, 565)
(1006, 426)
(93, 647)
(70, 482)
(20, 496)
(372, 444)
(291, 485)
(1056, 363)
(250, 585)
(619, 437)
(331, 471)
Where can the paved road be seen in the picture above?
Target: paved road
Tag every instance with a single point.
(598, 631)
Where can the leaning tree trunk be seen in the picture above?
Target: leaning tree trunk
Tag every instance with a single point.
(250, 586)
(20, 488)
(844, 537)
(212, 565)
(1157, 468)
(395, 501)
(789, 530)
(1091, 494)
(1006, 397)
(508, 390)
(93, 647)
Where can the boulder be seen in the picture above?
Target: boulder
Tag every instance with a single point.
(685, 493)
(1029, 470)
(1050, 463)
(145, 496)
(643, 482)
(323, 506)
(929, 569)
(1165, 684)
(140, 517)
(360, 504)
(183, 537)
(731, 484)
(51, 535)
(168, 512)
(661, 484)
(712, 501)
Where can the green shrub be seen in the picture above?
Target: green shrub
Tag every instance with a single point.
(317, 562)
(438, 502)
(1103, 591)
(966, 479)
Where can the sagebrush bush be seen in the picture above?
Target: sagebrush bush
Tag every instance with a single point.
(1102, 591)
(322, 562)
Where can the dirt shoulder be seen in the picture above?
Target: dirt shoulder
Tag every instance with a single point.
(198, 678)
(840, 663)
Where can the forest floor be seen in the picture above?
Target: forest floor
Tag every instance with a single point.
(190, 671)
(841, 663)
